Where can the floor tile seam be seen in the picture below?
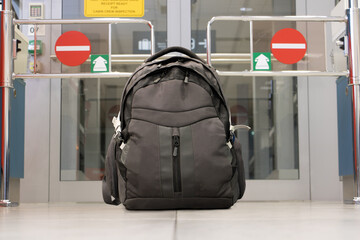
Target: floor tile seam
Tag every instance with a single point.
(175, 225)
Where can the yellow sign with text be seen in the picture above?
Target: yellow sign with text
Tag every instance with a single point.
(114, 8)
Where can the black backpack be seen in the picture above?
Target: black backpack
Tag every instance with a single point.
(176, 148)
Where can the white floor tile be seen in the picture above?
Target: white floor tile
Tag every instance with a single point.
(245, 220)
(84, 221)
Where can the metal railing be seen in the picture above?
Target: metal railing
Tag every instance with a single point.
(139, 58)
(252, 19)
(353, 31)
(84, 21)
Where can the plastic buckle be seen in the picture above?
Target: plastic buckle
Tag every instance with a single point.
(229, 144)
(116, 122)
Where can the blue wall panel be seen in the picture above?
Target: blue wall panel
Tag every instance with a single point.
(345, 127)
(17, 116)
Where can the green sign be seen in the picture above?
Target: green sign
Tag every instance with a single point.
(99, 63)
(262, 61)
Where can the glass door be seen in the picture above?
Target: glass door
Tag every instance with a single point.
(274, 151)
(274, 168)
(86, 107)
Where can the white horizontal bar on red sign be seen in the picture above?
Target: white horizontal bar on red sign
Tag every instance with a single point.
(288, 46)
(72, 48)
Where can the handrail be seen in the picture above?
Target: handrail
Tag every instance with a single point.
(139, 58)
(82, 21)
(91, 21)
(75, 75)
(279, 18)
(85, 21)
(251, 19)
(282, 74)
(221, 73)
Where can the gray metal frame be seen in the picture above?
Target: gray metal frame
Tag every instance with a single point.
(6, 85)
(353, 27)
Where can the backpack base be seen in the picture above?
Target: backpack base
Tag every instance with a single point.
(177, 203)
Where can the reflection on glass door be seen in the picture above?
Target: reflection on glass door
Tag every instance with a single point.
(88, 105)
(268, 105)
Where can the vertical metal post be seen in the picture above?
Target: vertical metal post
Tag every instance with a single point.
(251, 45)
(35, 47)
(152, 37)
(7, 33)
(110, 47)
(208, 43)
(353, 28)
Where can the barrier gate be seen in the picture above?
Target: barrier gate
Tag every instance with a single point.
(8, 52)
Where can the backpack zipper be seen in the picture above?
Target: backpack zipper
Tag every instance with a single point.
(162, 75)
(186, 79)
(176, 160)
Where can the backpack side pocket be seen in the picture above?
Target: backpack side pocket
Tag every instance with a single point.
(240, 167)
(110, 190)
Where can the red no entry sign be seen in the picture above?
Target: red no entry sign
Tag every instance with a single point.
(72, 48)
(288, 46)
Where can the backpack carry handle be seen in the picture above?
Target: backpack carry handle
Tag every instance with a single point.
(174, 49)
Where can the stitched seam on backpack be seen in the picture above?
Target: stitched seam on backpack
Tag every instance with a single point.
(138, 119)
(157, 110)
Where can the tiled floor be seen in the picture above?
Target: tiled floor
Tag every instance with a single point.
(245, 220)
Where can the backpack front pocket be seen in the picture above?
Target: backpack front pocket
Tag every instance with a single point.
(206, 160)
(142, 160)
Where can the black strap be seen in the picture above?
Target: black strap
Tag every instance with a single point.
(174, 49)
(110, 190)
(107, 194)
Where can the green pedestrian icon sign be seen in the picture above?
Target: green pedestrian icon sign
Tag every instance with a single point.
(99, 63)
(262, 61)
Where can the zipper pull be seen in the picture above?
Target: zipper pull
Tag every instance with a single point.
(176, 145)
(162, 75)
(157, 80)
(186, 80)
(175, 151)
